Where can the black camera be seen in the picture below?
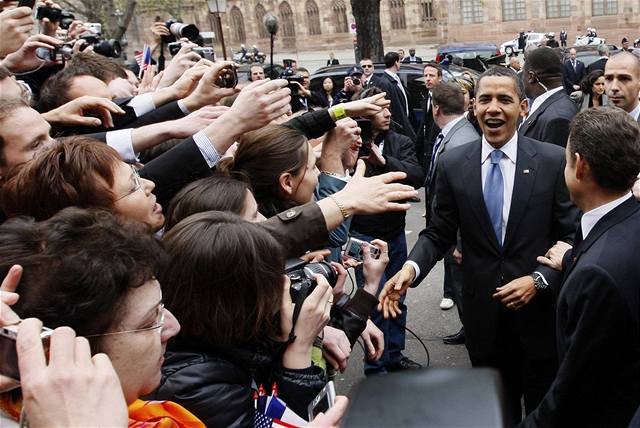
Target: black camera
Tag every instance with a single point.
(204, 52)
(302, 276)
(289, 76)
(109, 48)
(54, 14)
(356, 81)
(59, 54)
(179, 30)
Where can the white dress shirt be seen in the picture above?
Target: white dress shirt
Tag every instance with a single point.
(542, 98)
(635, 113)
(590, 218)
(397, 79)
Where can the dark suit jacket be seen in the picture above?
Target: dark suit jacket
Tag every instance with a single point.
(333, 61)
(573, 76)
(550, 122)
(598, 329)
(427, 133)
(540, 215)
(400, 121)
(598, 65)
(408, 60)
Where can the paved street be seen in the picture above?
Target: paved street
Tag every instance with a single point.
(425, 318)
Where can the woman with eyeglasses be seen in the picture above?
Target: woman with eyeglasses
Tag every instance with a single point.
(94, 273)
(84, 173)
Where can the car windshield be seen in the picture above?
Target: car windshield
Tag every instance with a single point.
(473, 54)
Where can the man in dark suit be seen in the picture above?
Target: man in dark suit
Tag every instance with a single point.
(398, 94)
(598, 323)
(552, 109)
(622, 83)
(412, 58)
(574, 71)
(332, 60)
(563, 38)
(368, 69)
(428, 129)
(603, 51)
(507, 196)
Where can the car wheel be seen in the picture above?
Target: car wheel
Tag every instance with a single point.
(508, 50)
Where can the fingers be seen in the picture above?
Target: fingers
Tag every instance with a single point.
(31, 359)
(62, 347)
(83, 352)
(371, 350)
(11, 281)
(546, 261)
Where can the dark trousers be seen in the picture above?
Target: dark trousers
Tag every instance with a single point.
(521, 374)
(393, 329)
(453, 280)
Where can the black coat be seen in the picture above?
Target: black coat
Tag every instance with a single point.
(573, 76)
(401, 122)
(550, 122)
(540, 215)
(428, 130)
(598, 329)
(597, 65)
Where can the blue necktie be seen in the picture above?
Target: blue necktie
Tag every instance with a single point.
(434, 158)
(494, 193)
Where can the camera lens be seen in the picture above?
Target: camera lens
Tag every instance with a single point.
(324, 269)
(356, 81)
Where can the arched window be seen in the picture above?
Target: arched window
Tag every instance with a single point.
(340, 16)
(396, 11)
(313, 18)
(260, 13)
(237, 26)
(286, 20)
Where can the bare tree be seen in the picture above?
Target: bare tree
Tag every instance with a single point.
(367, 16)
(107, 12)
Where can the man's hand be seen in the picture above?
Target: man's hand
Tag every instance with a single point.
(375, 158)
(336, 143)
(197, 121)
(373, 339)
(25, 59)
(189, 80)
(331, 419)
(301, 90)
(208, 92)
(9, 297)
(73, 113)
(48, 27)
(15, 27)
(457, 256)
(158, 29)
(394, 289)
(51, 390)
(517, 293)
(553, 257)
(181, 62)
(373, 269)
(336, 348)
(367, 106)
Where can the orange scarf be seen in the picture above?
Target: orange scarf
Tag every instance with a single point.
(161, 414)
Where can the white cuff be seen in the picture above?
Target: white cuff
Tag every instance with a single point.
(543, 278)
(209, 152)
(183, 108)
(122, 141)
(415, 267)
(142, 104)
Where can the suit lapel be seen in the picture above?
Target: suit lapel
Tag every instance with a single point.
(532, 119)
(613, 217)
(525, 175)
(473, 184)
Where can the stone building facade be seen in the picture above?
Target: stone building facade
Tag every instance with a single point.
(326, 25)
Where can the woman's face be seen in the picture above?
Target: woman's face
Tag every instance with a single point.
(305, 182)
(137, 356)
(250, 209)
(598, 86)
(134, 197)
(327, 85)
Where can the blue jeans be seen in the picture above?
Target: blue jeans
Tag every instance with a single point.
(393, 329)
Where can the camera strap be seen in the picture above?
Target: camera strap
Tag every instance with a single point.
(305, 290)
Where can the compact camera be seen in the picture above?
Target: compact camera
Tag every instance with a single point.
(302, 276)
(8, 354)
(54, 14)
(355, 249)
(204, 52)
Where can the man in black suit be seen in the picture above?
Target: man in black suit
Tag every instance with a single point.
(598, 323)
(603, 51)
(563, 38)
(552, 109)
(428, 129)
(398, 94)
(574, 71)
(332, 60)
(507, 195)
(368, 76)
(412, 58)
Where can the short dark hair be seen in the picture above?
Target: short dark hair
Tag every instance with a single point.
(55, 90)
(78, 266)
(449, 97)
(218, 302)
(608, 139)
(390, 58)
(7, 107)
(504, 72)
(215, 193)
(299, 69)
(435, 65)
(586, 84)
(545, 62)
(97, 66)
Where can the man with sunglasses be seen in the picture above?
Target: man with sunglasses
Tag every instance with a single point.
(552, 110)
(368, 78)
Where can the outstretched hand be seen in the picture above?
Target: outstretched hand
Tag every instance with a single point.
(394, 289)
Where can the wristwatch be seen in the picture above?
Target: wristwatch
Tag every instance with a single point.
(538, 281)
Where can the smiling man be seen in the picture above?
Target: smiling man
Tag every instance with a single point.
(507, 196)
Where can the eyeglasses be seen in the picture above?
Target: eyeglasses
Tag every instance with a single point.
(156, 326)
(136, 181)
(367, 66)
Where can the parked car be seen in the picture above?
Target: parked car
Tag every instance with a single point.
(410, 74)
(475, 55)
(511, 46)
(587, 54)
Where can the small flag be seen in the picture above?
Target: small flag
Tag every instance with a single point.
(144, 60)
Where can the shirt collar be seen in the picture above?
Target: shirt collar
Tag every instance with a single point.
(635, 112)
(510, 149)
(392, 74)
(447, 128)
(591, 218)
(542, 98)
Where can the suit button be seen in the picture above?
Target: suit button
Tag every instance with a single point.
(290, 213)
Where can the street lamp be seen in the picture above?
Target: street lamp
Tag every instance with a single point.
(218, 7)
(271, 24)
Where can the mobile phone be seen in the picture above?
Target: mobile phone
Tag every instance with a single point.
(8, 354)
(323, 401)
(27, 3)
(366, 132)
(355, 249)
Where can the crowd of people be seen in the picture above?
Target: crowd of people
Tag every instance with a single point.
(171, 245)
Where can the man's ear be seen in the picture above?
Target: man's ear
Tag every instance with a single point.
(286, 184)
(583, 170)
(524, 107)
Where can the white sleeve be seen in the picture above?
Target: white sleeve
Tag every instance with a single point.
(142, 104)
(121, 140)
(414, 265)
(209, 152)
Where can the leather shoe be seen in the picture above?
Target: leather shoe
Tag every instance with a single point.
(404, 363)
(455, 339)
